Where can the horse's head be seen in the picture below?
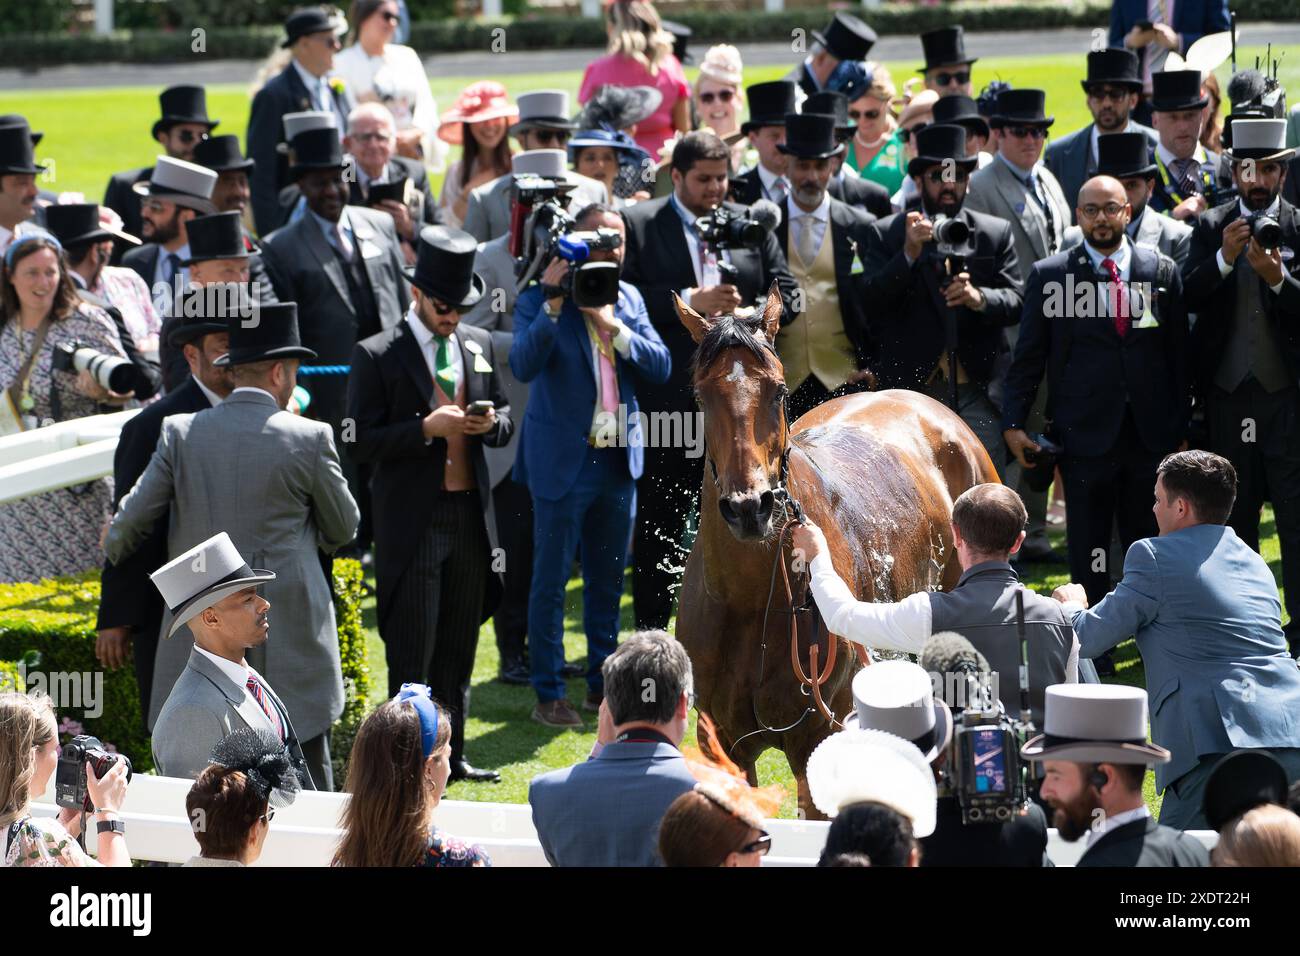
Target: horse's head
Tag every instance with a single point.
(740, 387)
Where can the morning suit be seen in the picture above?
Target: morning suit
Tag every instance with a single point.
(747, 189)
(861, 192)
(1246, 357)
(659, 262)
(1208, 175)
(398, 168)
(206, 706)
(1145, 843)
(434, 547)
(120, 197)
(606, 811)
(1072, 161)
(1151, 231)
(487, 211)
(582, 494)
(1204, 610)
(272, 480)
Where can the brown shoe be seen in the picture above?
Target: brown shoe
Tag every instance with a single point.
(557, 713)
(592, 703)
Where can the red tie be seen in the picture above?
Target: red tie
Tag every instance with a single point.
(1120, 297)
(259, 695)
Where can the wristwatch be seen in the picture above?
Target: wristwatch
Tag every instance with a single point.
(546, 307)
(110, 826)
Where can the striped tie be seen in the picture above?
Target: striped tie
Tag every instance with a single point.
(260, 695)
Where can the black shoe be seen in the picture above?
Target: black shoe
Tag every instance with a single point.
(461, 770)
(515, 673)
(574, 670)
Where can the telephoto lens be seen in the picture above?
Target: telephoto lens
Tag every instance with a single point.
(951, 232)
(112, 372)
(1266, 231)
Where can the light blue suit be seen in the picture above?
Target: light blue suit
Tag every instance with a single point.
(1205, 611)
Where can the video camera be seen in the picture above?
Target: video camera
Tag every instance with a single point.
(541, 230)
(75, 756)
(112, 372)
(721, 228)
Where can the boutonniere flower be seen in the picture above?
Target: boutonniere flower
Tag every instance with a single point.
(480, 363)
(336, 84)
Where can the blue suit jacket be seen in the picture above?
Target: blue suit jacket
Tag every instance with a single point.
(606, 812)
(1193, 19)
(1205, 611)
(556, 357)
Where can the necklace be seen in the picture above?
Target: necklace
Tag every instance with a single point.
(874, 145)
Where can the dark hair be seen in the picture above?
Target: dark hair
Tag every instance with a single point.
(845, 859)
(1131, 775)
(1206, 481)
(646, 677)
(359, 13)
(696, 146)
(591, 209)
(499, 158)
(697, 831)
(878, 831)
(223, 806)
(990, 517)
(66, 301)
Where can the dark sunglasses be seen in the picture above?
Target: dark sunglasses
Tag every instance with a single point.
(188, 136)
(722, 96)
(760, 846)
(1108, 93)
(956, 175)
(441, 309)
(559, 136)
(390, 17)
(856, 115)
(943, 79)
(1026, 132)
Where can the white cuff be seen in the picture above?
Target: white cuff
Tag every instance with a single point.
(623, 340)
(1225, 270)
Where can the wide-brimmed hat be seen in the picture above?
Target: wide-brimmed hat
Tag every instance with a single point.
(221, 154)
(203, 576)
(963, 111)
(945, 46)
(897, 697)
(1095, 723)
(444, 267)
(1021, 108)
(18, 119)
(810, 136)
(1124, 154)
(543, 109)
(1241, 781)
(177, 181)
(941, 143)
(273, 336)
(16, 152)
(311, 20)
(1174, 90)
(624, 146)
(1113, 65)
(78, 223)
(846, 37)
(315, 149)
(183, 104)
(1259, 140)
(619, 107)
(832, 103)
(859, 766)
(208, 309)
(219, 236)
(769, 104)
(477, 103)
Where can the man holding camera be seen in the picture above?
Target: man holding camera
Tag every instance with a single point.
(667, 253)
(941, 300)
(1188, 171)
(581, 447)
(1245, 348)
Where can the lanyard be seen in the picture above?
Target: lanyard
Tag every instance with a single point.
(1168, 184)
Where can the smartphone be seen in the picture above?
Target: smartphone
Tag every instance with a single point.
(480, 408)
(1144, 25)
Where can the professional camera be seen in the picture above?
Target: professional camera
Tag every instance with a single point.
(590, 284)
(112, 372)
(548, 233)
(70, 777)
(952, 237)
(722, 228)
(1265, 230)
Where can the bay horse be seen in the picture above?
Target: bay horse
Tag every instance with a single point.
(878, 472)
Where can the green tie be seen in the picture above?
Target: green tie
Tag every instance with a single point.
(443, 372)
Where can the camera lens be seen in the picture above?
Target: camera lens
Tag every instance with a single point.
(1266, 231)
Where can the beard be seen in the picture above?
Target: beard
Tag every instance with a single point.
(945, 204)
(1073, 819)
(1258, 199)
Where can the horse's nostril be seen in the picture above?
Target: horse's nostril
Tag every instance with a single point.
(766, 504)
(727, 510)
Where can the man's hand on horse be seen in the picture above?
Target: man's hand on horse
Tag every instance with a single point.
(919, 231)
(1018, 440)
(1071, 592)
(808, 541)
(960, 292)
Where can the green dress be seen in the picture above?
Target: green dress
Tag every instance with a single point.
(888, 167)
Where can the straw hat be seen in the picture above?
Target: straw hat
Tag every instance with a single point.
(477, 103)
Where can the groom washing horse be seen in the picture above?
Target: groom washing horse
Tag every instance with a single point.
(877, 472)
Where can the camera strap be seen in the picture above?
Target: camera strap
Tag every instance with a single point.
(19, 386)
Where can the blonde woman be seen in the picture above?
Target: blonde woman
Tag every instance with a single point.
(719, 98)
(641, 54)
(876, 149)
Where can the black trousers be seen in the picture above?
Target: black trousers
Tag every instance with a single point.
(1260, 434)
(1103, 492)
(431, 631)
(514, 510)
(667, 494)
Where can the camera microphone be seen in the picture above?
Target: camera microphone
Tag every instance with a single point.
(949, 653)
(767, 214)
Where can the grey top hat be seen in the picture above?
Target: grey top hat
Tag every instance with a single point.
(203, 576)
(1095, 723)
(898, 698)
(1259, 139)
(546, 163)
(545, 108)
(185, 184)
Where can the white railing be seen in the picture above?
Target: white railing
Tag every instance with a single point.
(306, 833)
(59, 455)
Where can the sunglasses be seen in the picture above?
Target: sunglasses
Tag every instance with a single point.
(1026, 132)
(268, 816)
(188, 136)
(390, 17)
(722, 96)
(1108, 93)
(559, 136)
(943, 79)
(856, 115)
(759, 846)
(442, 309)
(956, 175)
(1092, 211)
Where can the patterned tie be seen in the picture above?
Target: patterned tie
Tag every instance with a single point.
(1119, 295)
(260, 695)
(807, 239)
(780, 189)
(608, 383)
(444, 372)
(1188, 183)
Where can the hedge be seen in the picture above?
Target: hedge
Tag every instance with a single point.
(51, 625)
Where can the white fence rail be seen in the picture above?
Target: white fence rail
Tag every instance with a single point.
(59, 455)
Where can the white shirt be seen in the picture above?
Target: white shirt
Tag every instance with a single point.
(425, 338)
(7, 236)
(1122, 257)
(769, 180)
(331, 231)
(1168, 159)
(822, 219)
(1225, 269)
(704, 278)
(238, 673)
(213, 398)
(260, 391)
(1109, 823)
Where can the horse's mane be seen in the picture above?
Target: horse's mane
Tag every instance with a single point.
(731, 331)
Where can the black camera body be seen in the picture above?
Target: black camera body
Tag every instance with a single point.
(721, 228)
(75, 756)
(548, 232)
(986, 773)
(953, 237)
(1265, 230)
(112, 372)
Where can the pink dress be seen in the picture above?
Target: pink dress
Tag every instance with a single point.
(622, 71)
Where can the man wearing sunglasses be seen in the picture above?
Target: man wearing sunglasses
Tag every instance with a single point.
(182, 126)
(947, 68)
(1187, 172)
(312, 38)
(1113, 86)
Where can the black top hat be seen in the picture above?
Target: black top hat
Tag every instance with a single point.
(1124, 154)
(833, 103)
(939, 143)
(273, 336)
(810, 136)
(16, 154)
(310, 20)
(1113, 66)
(1176, 90)
(963, 111)
(846, 37)
(221, 154)
(315, 149)
(17, 119)
(219, 236)
(681, 34)
(444, 267)
(206, 310)
(945, 46)
(769, 104)
(1240, 782)
(183, 104)
(1021, 108)
(75, 224)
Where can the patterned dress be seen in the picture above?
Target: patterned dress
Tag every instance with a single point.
(57, 532)
(41, 842)
(445, 850)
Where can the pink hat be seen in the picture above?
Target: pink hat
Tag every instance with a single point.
(477, 103)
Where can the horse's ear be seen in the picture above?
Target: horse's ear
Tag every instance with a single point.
(772, 312)
(695, 323)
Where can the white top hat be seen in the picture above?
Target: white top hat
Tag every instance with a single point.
(897, 697)
(186, 184)
(547, 163)
(857, 766)
(1259, 139)
(202, 577)
(295, 123)
(1095, 723)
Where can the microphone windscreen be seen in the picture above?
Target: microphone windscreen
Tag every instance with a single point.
(767, 214)
(948, 653)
